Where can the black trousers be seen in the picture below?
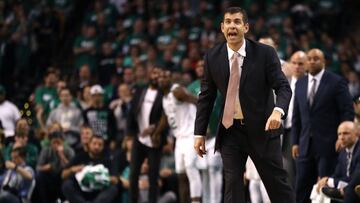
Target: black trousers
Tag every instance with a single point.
(235, 149)
(289, 162)
(74, 194)
(350, 196)
(309, 168)
(138, 154)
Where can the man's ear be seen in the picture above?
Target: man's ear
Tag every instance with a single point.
(246, 28)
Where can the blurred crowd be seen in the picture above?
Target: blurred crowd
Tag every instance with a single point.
(71, 71)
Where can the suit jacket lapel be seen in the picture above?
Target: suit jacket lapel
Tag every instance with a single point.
(303, 93)
(141, 100)
(320, 90)
(224, 67)
(247, 63)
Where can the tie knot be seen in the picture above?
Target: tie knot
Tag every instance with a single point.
(314, 79)
(235, 55)
(349, 155)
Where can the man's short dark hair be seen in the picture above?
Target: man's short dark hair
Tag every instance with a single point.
(233, 10)
(95, 136)
(21, 151)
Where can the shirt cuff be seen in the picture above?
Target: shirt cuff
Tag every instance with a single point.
(279, 110)
(198, 136)
(331, 182)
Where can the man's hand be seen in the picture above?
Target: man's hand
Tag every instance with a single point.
(75, 169)
(338, 146)
(10, 165)
(321, 183)
(46, 167)
(295, 151)
(199, 145)
(274, 121)
(60, 149)
(148, 131)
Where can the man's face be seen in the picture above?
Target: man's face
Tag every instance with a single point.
(233, 28)
(200, 69)
(85, 135)
(298, 64)
(316, 61)
(154, 75)
(124, 91)
(16, 158)
(65, 97)
(55, 143)
(96, 145)
(97, 98)
(52, 79)
(164, 79)
(346, 135)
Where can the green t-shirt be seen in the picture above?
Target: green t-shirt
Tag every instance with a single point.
(31, 154)
(46, 97)
(86, 58)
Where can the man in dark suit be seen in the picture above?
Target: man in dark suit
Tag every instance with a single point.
(145, 125)
(245, 72)
(349, 157)
(322, 101)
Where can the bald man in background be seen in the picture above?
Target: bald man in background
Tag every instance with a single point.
(322, 101)
(297, 67)
(284, 65)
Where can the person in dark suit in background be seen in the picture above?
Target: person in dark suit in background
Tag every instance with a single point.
(348, 160)
(145, 124)
(246, 73)
(322, 102)
(297, 67)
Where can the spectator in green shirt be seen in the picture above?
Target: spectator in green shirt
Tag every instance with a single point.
(21, 140)
(44, 95)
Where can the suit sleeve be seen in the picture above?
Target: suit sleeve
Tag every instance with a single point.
(344, 102)
(296, 122)
(206, 100)
(278, 81)
(337, 173)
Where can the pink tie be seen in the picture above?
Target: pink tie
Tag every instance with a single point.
(234, 79)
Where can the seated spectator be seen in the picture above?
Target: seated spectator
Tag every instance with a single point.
(21, 140)
(71, 188)
(18, 179)
(348, 194)
(51, 161)
(348, 160)
(85, 134)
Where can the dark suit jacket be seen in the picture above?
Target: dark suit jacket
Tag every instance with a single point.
(261, 73)
(332, 105)
(135, 107)
(340, 171)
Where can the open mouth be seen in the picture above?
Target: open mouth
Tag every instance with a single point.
(232, 35)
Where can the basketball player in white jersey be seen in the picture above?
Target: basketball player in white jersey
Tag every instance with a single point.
(180, 110)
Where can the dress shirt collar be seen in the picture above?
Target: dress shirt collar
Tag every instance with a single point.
(351, 149)
(317, 76)
(241, 51)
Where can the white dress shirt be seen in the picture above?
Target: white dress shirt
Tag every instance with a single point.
(310, 81)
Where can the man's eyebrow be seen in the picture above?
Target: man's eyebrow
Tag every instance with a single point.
(233, 19)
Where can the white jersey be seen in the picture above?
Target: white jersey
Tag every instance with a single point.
(180, 115)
